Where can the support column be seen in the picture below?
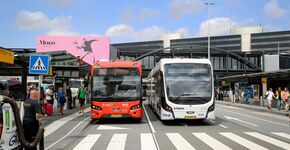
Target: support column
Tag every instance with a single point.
(264, 88)
(24, 82)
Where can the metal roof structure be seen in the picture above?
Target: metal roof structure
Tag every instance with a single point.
(280, 74)
(59, 60)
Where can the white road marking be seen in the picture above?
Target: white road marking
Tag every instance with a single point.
(179, 142)
(151, 128)
(211, 142)
(88, 142)
(58, 123)
(223, 126)
(242, 141)
(147, 142)
(284, 135)
(269, 140)
(117, 142)
(149, 121)
(66, 134)
(106, 127)
(258, 118)
(238, 119)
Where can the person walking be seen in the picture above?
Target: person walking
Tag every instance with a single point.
(69, 97)
(31, 117)
(279, 98)
(60, 101)
(285, 96)
(231, 95)
(82, 97)
(269, 96)
(49, 95)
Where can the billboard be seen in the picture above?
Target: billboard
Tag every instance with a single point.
(88, 48)
(6, 56)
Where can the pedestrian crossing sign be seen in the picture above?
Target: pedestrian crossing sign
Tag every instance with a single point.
(39, 64)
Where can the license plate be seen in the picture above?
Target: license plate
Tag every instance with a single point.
(116, 109)
(116, 116)
(190, 117)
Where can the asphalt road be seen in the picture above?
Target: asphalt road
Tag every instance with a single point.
(234, 128)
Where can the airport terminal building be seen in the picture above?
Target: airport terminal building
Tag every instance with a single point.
(245, 51)
(227, 52)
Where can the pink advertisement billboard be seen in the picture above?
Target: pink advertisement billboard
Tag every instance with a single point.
(88, 48)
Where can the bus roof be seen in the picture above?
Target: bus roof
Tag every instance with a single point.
(118, 64)
(184, 60)
(164, 61)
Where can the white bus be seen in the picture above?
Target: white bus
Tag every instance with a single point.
(182, 89)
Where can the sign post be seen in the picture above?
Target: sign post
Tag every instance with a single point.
(39, 64)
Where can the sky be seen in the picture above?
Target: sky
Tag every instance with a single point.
(21, 21)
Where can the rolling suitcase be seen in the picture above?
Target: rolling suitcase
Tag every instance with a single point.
(49, 109)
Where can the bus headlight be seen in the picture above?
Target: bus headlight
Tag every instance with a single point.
(96, 107)
(136, 107)
(211, 108)
(165, 106)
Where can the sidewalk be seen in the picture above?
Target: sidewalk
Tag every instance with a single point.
(251, 107)
(46, 120)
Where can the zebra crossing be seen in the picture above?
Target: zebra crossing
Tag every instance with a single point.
(247, 140)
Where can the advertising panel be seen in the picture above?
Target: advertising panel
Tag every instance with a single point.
(6, 56)
(87, 48)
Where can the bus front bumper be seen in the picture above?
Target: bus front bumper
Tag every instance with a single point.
(98, 114)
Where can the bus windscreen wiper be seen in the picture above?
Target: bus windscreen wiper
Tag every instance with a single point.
(183, 94)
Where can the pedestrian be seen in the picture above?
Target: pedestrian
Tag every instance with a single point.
(60, 101)
(285, 96)
(231, 95)
(269, 96)
(82, 97)
(69, 97)
(249, 94)
(42, 99)
(242, 95)
(49, 95)
(279, 98)
(31, 117)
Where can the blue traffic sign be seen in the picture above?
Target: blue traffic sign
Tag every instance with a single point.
(39, 64)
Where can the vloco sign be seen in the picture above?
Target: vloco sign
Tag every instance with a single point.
(88, 48)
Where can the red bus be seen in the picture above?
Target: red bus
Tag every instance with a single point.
(116, 90)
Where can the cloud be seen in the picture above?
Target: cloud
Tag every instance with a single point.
(63, 32)
(130, 15)
(218, 26)
(180, 8)
(273, 10)
(148, 13)
(60, 25)
(147, 34)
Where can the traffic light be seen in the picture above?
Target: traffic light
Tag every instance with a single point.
(52, 71)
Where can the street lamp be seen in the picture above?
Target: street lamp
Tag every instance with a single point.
(208, 40)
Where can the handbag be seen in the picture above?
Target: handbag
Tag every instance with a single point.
(62, 100)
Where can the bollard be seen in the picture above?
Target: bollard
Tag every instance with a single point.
(261, 101)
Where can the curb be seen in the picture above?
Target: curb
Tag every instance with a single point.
(258, 108)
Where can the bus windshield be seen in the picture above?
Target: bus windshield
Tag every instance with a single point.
(188, 83)
(116, 85)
